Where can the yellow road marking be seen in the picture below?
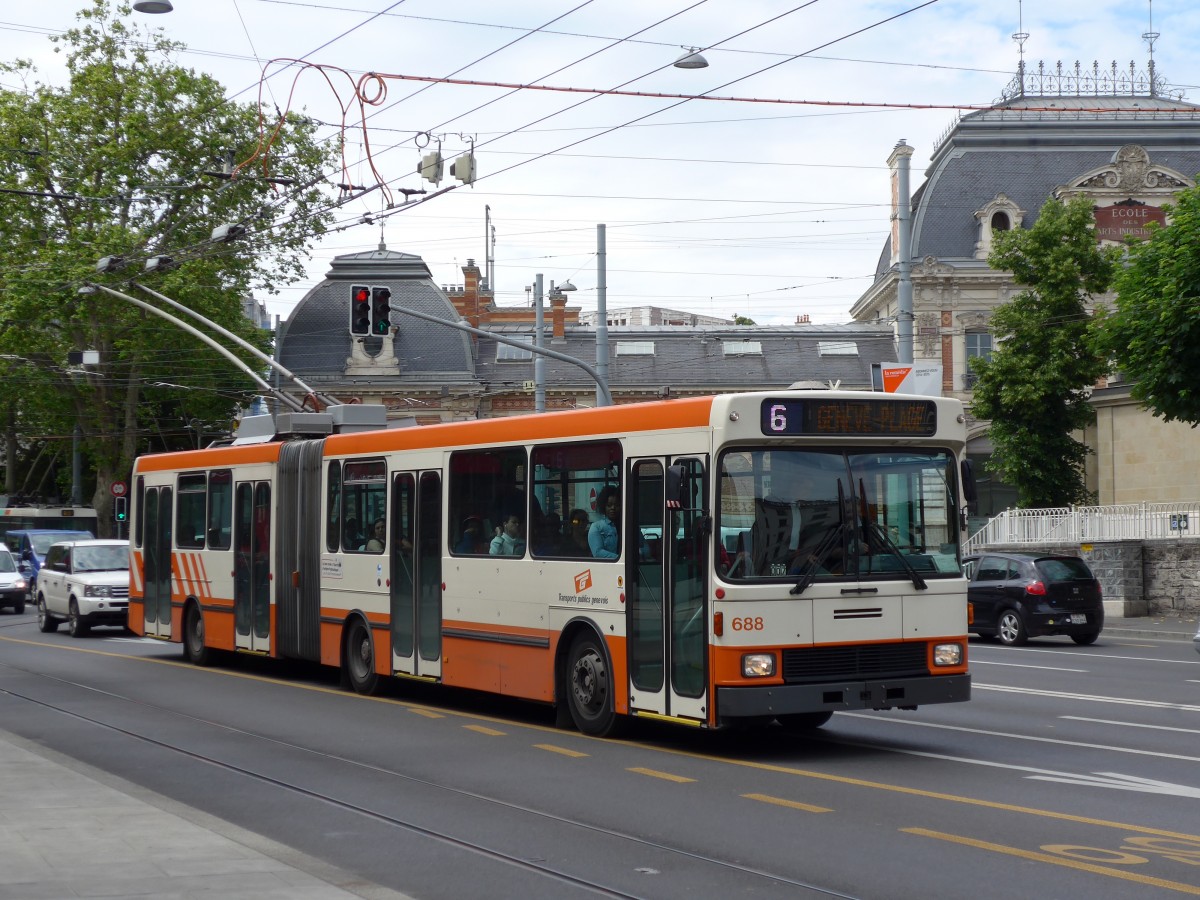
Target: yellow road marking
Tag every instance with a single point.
(563, 750)
(428, 713)
(685, 754)
(1058, 861)
(665, 776)
(791, 804)
(483, 729)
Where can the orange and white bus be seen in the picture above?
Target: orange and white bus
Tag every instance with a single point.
(793, 554)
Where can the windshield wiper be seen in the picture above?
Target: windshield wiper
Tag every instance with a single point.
(875, 531)
(834, 537)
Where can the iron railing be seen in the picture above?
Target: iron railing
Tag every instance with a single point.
(1085, 524)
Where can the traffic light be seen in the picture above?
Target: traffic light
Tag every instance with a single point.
(360, 309)
(121, 509)
(381, 310)
(430, 167)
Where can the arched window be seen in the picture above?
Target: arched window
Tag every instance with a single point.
(1000, 221)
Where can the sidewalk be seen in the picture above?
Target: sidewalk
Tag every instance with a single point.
(1163, 628)
(69, 830)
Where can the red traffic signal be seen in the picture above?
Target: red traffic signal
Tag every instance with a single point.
(381, 310)
(360, 309)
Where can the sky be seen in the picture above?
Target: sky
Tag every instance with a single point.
(753, 203)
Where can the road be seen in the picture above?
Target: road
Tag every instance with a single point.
(1072, 772)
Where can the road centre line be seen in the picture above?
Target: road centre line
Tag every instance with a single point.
(483, 729)
(1131, 724)
(665, 776)
(1057, 861)
(790, 804)
(1006, 734)
(574, 754)
(1069, 695)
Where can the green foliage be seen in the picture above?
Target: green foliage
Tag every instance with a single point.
(1034, 388)
(742, 320)
(115, 164)
(1153, 335)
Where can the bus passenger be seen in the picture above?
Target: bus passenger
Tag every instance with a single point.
(351, 539)
(603, 539)
(378, 536)
(575, 542)
(472, 536)
(508, 540)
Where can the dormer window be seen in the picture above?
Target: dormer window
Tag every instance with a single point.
(1001, 214)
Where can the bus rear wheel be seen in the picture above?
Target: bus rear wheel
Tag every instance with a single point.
(358, 661)
(590, 688)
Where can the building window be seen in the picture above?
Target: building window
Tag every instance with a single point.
(979, 346)
(1001, 222)
(635, 348)
(742, 348)
(837, 348)
(511, 353)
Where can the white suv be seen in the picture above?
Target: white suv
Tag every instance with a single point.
(86, 583)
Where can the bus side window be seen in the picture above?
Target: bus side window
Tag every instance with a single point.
(486, 486)
(567, 480)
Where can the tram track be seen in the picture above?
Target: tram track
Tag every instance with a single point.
(552, 874)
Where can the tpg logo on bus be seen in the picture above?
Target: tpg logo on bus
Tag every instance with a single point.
(583, 581)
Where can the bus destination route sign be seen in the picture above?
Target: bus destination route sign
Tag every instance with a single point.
(842, 416)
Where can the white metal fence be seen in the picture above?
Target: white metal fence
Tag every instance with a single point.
(1083, 524)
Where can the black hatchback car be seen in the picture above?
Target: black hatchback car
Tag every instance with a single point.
(1015, 596)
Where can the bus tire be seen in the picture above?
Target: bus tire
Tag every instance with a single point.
(358, 658)
(590, 687)
(194, 649)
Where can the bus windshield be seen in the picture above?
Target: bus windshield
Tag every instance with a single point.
(837, 514)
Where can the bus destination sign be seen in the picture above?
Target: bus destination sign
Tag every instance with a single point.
(841, 416)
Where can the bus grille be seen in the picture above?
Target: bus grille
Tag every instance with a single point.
(813, 664)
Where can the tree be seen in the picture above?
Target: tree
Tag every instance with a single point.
(127, 160)
(1153, 334)
(742, 320)
(1034, 389)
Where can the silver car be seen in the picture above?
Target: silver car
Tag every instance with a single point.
(13, 586)
(1196, 640)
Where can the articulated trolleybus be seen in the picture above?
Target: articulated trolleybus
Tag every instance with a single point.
(709, 561)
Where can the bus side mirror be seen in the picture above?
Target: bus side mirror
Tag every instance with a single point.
(676, 486)
(968, 480)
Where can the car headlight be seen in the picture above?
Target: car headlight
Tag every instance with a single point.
(20, 584)
(758, 665)
(947, 654)
(97, 590)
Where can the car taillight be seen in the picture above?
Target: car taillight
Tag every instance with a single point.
(1037, 588)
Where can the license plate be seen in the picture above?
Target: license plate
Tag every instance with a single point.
(1078, 619)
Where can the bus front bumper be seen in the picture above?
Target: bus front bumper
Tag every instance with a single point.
(884, 693)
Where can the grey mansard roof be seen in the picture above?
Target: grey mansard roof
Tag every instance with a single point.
(1026, 148)
(696, 358)
(316, 340)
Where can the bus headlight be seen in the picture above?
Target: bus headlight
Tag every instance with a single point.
(947, 654)
(758, 665)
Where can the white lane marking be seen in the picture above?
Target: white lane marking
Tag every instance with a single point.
(1017, 737)
(988, 662)
(1067, 695)
(1088, 652)
(1119, 782)
(1131, 724)
(1111, 780)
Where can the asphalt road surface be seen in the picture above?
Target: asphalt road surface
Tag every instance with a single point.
(1073, 772)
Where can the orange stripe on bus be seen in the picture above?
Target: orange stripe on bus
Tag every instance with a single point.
(597, 423)
(202, 459)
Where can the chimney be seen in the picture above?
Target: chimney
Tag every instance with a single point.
(558, 308)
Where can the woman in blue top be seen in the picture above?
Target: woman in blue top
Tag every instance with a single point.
(602, 536)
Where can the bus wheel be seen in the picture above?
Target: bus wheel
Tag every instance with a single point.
(805, 721)
(359, 658)
(194, 650)
(589, 688)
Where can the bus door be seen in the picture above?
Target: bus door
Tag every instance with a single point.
(666, 617)
(252, 566)
(415, 553)
(156, 575)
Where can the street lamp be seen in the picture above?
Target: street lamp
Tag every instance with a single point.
(691, 59)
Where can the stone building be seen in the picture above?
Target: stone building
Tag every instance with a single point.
(1111, 135)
